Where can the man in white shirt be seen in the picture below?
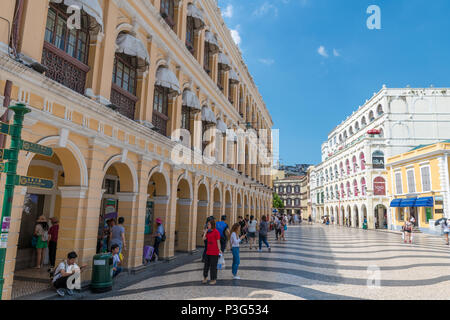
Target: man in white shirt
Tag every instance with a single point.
(64, 272)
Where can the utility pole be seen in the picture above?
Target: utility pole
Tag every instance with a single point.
(12, 179)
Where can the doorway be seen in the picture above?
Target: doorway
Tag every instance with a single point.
(380, 217)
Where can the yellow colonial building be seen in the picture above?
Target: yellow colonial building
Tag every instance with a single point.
(151, 113)
(418, 185)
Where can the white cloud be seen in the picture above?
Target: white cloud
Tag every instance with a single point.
(322, 51)
(267, 62)
(266, 8)
(235, 35)
(336, 53)
(228, 13)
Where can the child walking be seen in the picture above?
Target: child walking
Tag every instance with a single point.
(235, 241)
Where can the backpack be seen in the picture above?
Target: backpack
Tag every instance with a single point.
(34, 241)
(221, 227)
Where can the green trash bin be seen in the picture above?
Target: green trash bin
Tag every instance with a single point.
(102, 271)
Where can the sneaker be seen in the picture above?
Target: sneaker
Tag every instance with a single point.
(69, 292)
(212, 282)
(410, 241)
(60, 292)
(270, 249)
(205, 281)
(236, 278)
(259, 250)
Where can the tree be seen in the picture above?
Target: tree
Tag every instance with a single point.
(276, 202)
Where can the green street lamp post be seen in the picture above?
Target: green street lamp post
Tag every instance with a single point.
(10, 169)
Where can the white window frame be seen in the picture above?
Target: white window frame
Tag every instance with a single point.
(429, 176)
(414, 180)
(399, 173)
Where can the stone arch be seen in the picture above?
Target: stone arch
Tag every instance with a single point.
(356, 217)
(217, 202)
(160, 170)
(398, 105)
(66, 168)
(72, 151)
(184, 225)
(202, 209)
(186, 176)
(422, 105)
(122, 168)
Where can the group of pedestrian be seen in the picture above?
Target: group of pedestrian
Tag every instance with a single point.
(280, 223)
(45, 236)
(217, 235)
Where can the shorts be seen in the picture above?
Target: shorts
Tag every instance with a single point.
(252, 235)
(41, 244)
(409, 231)
(446, 232)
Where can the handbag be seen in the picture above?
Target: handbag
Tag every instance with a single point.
(34, 241)
(221, 263)
(163, 237)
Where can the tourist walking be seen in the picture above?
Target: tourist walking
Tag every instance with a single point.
(212, 252)
(283, 228)
(160, 236)
(263, 230)
(252, 225)
(445, 225)
(41, 240)
(407, 231)
(118, 235)
(53, 240)
(224, 231)
(277, 223)
(235, 241)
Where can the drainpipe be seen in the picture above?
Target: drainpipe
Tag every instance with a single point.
(14, 42)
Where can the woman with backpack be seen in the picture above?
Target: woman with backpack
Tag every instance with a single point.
(41, 239)
(160, 236)
(407, 230)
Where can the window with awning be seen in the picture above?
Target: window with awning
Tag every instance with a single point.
(194, 22)
(66, 51)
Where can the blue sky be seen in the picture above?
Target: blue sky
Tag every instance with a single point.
(315, 61)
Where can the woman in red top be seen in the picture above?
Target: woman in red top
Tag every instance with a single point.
(211, 235)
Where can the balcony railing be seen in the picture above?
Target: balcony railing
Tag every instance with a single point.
(64, 69)
(124, 101)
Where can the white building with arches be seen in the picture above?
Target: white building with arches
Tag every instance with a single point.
(349, 185)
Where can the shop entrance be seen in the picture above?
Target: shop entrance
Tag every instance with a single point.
(413, 212)
(380, 217)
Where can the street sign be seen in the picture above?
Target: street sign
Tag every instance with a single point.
(36, 148)
(5, 154)
(4, 128)
(34, 182)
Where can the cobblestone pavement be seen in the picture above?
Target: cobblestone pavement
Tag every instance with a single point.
(316, 262)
